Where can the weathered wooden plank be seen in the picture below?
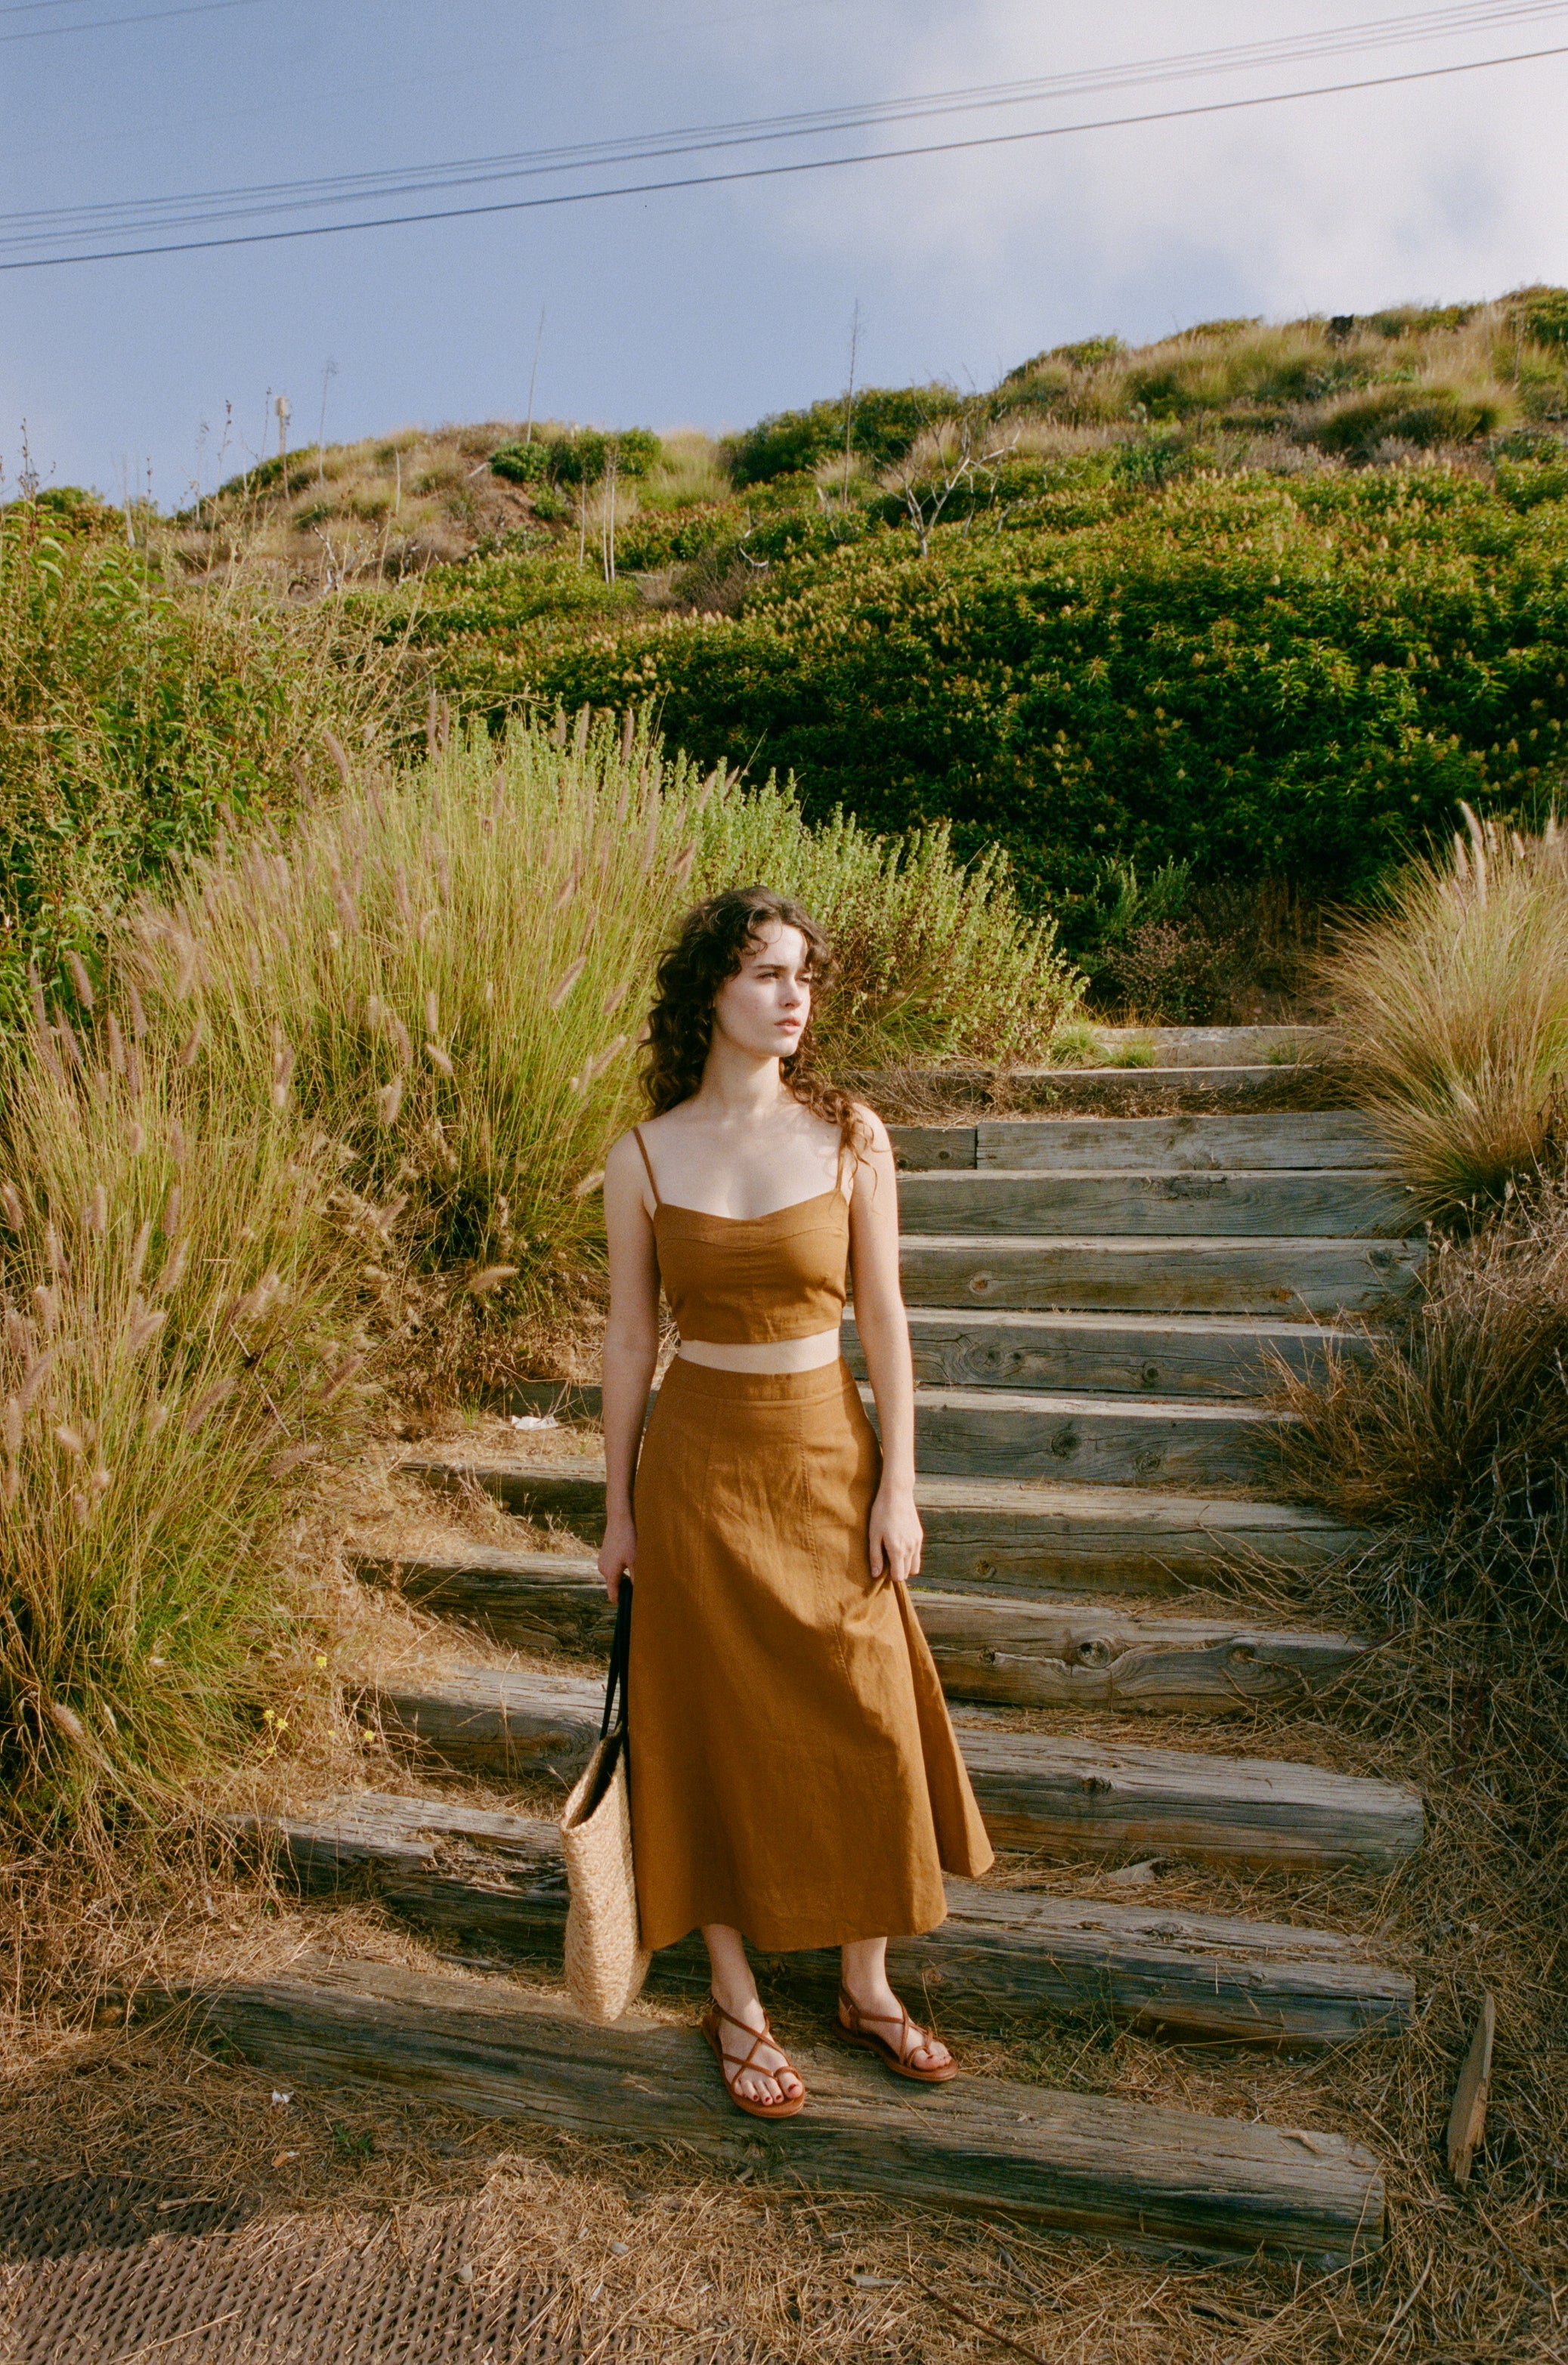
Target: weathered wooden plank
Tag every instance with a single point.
(1200, 1047)
(1183, 1355)
(1019, 1654)
(1001, 1535)
(1261, 1085)
(1317, 1204)
(1114, 1355)
(1301, 1277)
(1072, 1797)
(1037, 1654)
(536, 1601)
(1099, 1441)
(499, 1878)
(921, 1146)
(1236, 1142)
(1086, 2162)
(493, 1720)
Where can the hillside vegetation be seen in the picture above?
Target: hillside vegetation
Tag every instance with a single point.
(1218, 627)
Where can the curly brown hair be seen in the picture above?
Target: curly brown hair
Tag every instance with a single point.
(706, 952)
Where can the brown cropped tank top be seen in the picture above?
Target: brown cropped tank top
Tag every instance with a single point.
(733, 1279)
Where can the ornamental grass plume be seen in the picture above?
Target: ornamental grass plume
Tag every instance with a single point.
(1451, 998)
(171, 1335)
(451, 965)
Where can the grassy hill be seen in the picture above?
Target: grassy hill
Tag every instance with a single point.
(1197, 631)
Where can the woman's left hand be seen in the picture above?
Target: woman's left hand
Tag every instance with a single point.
(895, 1535)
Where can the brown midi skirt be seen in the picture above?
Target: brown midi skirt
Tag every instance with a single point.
(793, 1773)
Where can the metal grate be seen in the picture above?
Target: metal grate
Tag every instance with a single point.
(113, 2270)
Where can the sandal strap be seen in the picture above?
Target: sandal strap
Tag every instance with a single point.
(903, 2024)
(763, 2036)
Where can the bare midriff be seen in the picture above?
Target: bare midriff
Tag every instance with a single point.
(765, 1354)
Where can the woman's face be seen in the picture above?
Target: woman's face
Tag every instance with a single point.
(763, 1009)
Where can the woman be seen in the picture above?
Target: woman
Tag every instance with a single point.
(794, 1778)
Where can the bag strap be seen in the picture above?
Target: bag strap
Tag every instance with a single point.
(620, 1656)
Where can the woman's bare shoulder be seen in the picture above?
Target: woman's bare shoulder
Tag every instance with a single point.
(876, 1137)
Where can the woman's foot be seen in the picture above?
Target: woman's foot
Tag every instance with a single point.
(756, 2072)
(878, 2021)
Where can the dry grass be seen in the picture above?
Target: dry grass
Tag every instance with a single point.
(1452, 1002)
(1471, 2276)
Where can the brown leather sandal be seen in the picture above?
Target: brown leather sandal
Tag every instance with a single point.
(853, 2030)
(785, 2106)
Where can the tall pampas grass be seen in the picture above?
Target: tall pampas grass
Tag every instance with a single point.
(1452, 998)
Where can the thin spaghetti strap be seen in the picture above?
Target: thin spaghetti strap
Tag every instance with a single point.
(637, 1138)
(838, 1174)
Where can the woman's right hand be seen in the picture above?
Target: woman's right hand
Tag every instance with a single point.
(618, 1553)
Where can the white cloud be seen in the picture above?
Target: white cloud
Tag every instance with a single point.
(1437, 189)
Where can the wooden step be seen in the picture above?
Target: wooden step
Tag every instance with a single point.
(1179, 1354)
(1200, 1047)
(1086, 2162)
(1296, 1277)
(1295, 1139)
(1328, 1205)
(1034, 1791)
(1016, 1653)
(498, 1879)
(1112, 1440)
(1114, 1355)
(997, 1535)
(1252, 1084)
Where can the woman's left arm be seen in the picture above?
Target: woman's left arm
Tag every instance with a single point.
(894, 1534)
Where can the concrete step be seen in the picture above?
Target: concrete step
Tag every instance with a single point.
(1065, 1797)
(1109, 1354)
(1297, 1139)
(1325, 1204)
(499, 1880)
(1301, 1278)
(997, 1535)
(1013, 1654)
(1086, 2162)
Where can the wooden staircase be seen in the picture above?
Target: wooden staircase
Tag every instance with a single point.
(1100, 1308)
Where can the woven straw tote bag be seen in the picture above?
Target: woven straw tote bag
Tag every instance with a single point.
(606, 1961)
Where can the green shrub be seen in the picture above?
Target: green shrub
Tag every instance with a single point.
(521, 463)
(135, 710)
(1252, 676)
(585, 454)
(1422, 415)
(886, 421)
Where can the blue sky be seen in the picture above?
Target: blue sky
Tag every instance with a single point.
(708, 306)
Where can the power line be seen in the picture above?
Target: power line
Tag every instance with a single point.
(776, 172)
(126, 217)
(105, 24)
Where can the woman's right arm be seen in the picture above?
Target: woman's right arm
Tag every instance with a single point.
(630, 1351)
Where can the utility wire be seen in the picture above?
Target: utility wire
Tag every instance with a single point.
(776, 172)
(106, 24)
(128, 218)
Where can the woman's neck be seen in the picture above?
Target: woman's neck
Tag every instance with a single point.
(738, 1086)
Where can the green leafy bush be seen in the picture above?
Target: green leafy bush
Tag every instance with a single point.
(585, 454)
(882, 423)
(521, 463)
(1257, 676)
(135, 710)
